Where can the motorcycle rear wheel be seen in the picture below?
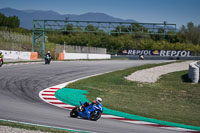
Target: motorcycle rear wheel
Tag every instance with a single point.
(74, 113)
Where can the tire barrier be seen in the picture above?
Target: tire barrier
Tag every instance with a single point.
(61, 56)
(34, 56)
(194, 72)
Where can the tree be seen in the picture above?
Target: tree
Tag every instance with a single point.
(191, 34)
(161, 34)
(70, 27)
(91, 28)
(79, 29)
(2, 19)
(120, 29)
(171, 36)
(138, 28)
(13, 22)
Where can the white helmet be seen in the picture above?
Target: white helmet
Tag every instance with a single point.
(98, 99)
(48, 52)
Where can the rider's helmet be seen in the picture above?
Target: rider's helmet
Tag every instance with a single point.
(98, 99)
(48, 52)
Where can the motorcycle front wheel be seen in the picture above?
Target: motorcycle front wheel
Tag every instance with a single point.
(94, 116)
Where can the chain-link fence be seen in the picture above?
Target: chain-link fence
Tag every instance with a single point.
(15, 46)
(79, 49)
(15, 41)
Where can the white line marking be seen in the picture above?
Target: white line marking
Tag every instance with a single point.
(53, 100)
(177, 129)
(110, 116)
(48, 92)
(138, 122)
(47, 97)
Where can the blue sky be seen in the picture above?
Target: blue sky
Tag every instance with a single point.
(179, 12)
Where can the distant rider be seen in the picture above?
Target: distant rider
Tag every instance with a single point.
(1, 56)
(141, 57)
(86, 104)
(48, 54)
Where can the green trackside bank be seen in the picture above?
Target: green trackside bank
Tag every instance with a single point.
(74, 96)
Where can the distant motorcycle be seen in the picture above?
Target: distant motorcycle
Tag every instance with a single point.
(141, 57)
(47, 59)
(1, 62)
(92, 112)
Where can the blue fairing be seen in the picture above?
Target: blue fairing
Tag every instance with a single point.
(89, 109)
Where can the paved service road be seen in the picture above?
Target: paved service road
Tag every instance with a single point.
(20, 85)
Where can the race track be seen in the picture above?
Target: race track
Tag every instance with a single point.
(21, 84)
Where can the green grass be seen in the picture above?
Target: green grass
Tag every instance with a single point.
(33, 127)
(172, 98)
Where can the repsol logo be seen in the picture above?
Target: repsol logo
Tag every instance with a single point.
(157, 52)
(174, 53)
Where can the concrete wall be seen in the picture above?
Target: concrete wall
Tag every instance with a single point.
(71, 56)
(19, 55)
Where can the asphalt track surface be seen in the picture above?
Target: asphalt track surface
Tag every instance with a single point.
(21, 84)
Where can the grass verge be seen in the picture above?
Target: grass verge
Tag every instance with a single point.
(172, 98)
(14, 62)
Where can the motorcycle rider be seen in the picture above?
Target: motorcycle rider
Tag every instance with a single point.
(141, 57)
(86, 104)
(1, 56)
(48, 55)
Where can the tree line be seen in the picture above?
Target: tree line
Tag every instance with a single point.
(187, 38)
(10, 22)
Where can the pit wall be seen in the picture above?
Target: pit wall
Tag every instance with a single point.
(19, 55)
(77, 56)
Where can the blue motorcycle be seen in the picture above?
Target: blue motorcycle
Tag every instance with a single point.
(47, 59)
(92, 111)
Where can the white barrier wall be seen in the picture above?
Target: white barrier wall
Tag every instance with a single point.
(99, 56)
(73, 56)
(194, 72)
(16, 55)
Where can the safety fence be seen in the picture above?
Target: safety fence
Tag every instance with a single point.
(79, 49)
(16, 37)
(15, 46)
